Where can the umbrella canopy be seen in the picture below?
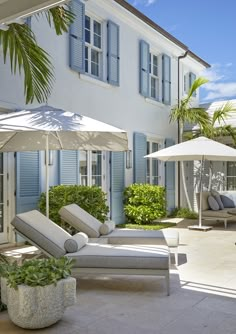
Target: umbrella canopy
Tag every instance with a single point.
(197, 149)
(47, 128)
(25, 131)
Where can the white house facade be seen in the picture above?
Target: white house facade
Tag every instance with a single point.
(119, 67)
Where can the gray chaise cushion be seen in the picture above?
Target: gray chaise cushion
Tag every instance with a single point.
(220, 214)
(169, 237)
(76, 242)
(81, 220)
(213, 204)
(42, 231)
(123, 256)
(227, 202)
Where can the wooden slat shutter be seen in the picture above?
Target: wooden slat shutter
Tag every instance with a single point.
(166, 79)
(170, 179)
(144, 68)
(140, 150)
(117, 186)
(28, 179)
(69, 167)
(113, 54)
(76, 38)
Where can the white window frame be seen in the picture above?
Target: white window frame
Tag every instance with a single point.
(154, 76)
(91, 47)
(230, 176)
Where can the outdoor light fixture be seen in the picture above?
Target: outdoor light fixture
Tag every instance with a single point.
(128, 159)
(50, 158)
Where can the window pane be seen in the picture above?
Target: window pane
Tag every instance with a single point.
(148, 164)
(83, 168)
(97, 168)
(155, 66)
(97, 34)
(94, 63)
(86, 59)
(150, 63)
(153, 88)
(87, 29)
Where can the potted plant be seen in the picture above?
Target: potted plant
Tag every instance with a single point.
(37, 293)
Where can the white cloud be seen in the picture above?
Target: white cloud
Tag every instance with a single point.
(143, 2)
(220, 83)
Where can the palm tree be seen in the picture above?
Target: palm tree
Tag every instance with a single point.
(185, 113)
(19, 44)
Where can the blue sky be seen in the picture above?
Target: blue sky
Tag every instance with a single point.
(208, 28)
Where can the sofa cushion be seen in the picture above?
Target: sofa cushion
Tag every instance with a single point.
(42, 231)
(81, 220)
(220, 214)
(76, 242)
(107, 227)
(227, 202)
(213, 203)
(216, 195)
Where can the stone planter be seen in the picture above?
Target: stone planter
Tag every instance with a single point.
(38, 307)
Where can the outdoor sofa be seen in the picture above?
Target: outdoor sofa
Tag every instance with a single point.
(224, 214)
(92, 258)
(82, 221)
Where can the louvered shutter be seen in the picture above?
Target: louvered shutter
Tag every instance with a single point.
(69, 167)
(113, 54)
(28, 178)
(170, 179)
(117, 186)
(192, 78)
(166, 79)
(140, 150)
(76, 38)
(144, 68)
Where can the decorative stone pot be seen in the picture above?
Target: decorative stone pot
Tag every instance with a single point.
(38, 307)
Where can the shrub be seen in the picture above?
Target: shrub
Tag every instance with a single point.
(39, 272)
(144, 203)
(91, 199)
(3, 261)
(183, 213)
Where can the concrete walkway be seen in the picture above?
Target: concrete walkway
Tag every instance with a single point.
(202, 300)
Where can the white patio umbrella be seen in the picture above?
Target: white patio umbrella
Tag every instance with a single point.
(47, 128)
(196, 149)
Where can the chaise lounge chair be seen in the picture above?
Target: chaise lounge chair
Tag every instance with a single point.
(92, 258)
(82, 221)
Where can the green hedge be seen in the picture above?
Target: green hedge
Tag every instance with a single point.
(91, 199)
(144, 203)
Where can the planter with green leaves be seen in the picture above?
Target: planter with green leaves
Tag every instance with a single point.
(37, 293)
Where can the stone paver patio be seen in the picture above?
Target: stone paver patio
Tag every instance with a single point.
(202, 300)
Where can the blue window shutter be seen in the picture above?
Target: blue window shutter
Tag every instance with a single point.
(166, 79)
(144, 68)
(117, 186)
(69, 167)
(170, 179)
(28, 179)
(76, 38)
(113, 53)
(192, 78)
(140, 150)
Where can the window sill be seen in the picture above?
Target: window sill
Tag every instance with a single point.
(155, 102)
(94, 81)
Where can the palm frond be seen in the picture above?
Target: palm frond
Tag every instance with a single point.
(222, 113)
(60, 17)
(196, 84)
(19, 43)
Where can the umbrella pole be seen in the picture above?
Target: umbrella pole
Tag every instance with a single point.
(200, 197)
(47, 178)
